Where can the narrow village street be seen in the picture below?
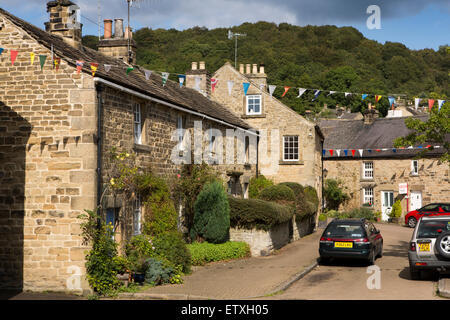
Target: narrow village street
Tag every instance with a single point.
(344, 280)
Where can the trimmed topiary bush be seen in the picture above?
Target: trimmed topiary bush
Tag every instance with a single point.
(257, 184)
(203, 253)
(278, 193)
(256, 213)
(212, 214)
(296, 187)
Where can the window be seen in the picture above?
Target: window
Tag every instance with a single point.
(247, 149)
(368, 196)
(254, 104)
(368, 170)
(180, 120)
(137, 123)
(290, 152)
(415, 167)
(137, 216)
(111, 216)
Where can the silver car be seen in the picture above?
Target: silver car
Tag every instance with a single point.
(429, 248)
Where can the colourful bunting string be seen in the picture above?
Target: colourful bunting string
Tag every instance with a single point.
(364, 96)
(286, 89)
(440, 104)
(378, 98)
(430, 103)
(107, 67)
(165, 77)
(42, 59)
(272, 90)
(214, 84)
(316, 94)
(148, 74)
(129, 69)
(32, 57)
(181, 80)
(1, 51)
(246, 86)
(14, 54)
(79, 65)
(301, 91)
(94, 67)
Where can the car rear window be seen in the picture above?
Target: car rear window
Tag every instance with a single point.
(446, 207)
(432, 229)
(347, 231)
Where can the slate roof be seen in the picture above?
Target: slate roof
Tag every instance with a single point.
(354, 135)
(171, 92)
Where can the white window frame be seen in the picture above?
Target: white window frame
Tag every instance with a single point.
(415, 167)
(368, 196)
(180, 131)
(296, 154)
(253, 96)
(137, 216)
(368, 172)
(137, 117)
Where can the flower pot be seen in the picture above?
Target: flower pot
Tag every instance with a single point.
(139, 277)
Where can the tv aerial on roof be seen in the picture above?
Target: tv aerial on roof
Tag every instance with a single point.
(232, 35)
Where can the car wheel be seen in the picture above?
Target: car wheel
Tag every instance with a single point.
(380, 254)
(443, 245)
(372, 258)
(412, 222)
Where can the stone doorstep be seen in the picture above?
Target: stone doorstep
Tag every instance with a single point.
(444, 288)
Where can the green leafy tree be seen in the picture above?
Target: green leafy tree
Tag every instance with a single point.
(334, 194)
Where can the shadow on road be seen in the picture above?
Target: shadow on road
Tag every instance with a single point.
(427, 275)
(399, 250)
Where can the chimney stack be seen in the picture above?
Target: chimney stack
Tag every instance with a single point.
(199, 79)
(108, 28)
(260, 77)
(370, 115)
(117, 45)
(64, 21)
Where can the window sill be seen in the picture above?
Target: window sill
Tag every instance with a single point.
(252, 116)
(287, 163)
(141, 148)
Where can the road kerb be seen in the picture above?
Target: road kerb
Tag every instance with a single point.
(444, 288)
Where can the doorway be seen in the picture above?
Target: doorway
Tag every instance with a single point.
(387, 201)
(416, 200)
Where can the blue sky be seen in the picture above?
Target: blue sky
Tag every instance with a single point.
(416, 23)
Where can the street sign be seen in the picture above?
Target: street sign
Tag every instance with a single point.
(403, 188)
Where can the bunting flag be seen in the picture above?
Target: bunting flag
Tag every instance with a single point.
(331, 92)
(331, 152)
(79, 65)
(57, 63)
(261, 86)
(246, 85)
(301, 91)
(165, 77)
(230, 87)
(94, 67)
(32, 57)
(346, 152)
(378, 98)
(347, 94)
(440, 104)
(416, 103)
(181, 80)
(430, 103)
(394, 150)
(360, 152)
(214, 84)
(364, 96)
(391, 101)
(129, 69)
(198, 80)
(42, 59)
(338, 152)
(14, 54)
(148, 74)
(353, 152)
(286, 89)
(1, 51)
(324, 152)
(316, 94)
(272, 90)
(107, 67)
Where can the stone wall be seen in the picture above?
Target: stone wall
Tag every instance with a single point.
(432, 180)
(47, 168)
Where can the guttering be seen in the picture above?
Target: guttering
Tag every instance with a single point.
(171, 105)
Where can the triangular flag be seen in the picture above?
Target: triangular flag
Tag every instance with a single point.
(316, 94)
(94, 67)
(165, 77)
(261, 86)
(79, 64)
(57, 62)
(148, 74)
(181, 79)
(214, 84)
(364, 96)
(377, 98)
(230, 84)
(32, 56)
(286, 89)
(347, 94)
(246, 85)
(353, 152)
(1, 50)
(331, 152)
(42, 59)
(198, 80)
(301, 91)
(394, 150)
(430, 103)
(331, 92)
(391, 101)
(369, 150)
(14, 54)
(440, 104)
(129, 69)
(346, 152)
(360, 152)
(338, 152)
(107, 67)
(416, 103)
(324, 152)
(272, 89)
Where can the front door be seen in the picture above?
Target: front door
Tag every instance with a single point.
(387, 201)
(416, 200)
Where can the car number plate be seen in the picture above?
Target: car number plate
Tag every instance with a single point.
(425, 247)
(343, 244)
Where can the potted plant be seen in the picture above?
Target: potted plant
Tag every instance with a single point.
(139, 268)
(123, 268)
(396, 212)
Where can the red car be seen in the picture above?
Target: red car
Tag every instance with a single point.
(432, 209)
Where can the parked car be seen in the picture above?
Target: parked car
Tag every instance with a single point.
(351, 239)
(432, 209)
(429, 248)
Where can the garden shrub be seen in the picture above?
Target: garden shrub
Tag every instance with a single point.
(334, 194)
(212, 214)
(172, 247)
(257, 184)
(161, 271)
(362, 213)
(205, 252)
(311, 196)
(278, 193)
(138, 250)
(396, 210)
(297, 188)
(256, 213)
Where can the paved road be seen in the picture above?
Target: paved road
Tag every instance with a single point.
(343, 280)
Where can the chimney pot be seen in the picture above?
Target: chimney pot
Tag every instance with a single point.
(261, 69)
(108, 28)
(202, 65)
(255, 69)
(118, 28)
(248, 68)
(194, 65)
(241, 68)
(128, 33)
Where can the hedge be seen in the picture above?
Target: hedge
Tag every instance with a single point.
(256, 213)
(257, 184)
(205, 252)
(306, 200)
(277, 193)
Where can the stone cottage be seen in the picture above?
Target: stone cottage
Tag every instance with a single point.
(60, 120)
(361, 154)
